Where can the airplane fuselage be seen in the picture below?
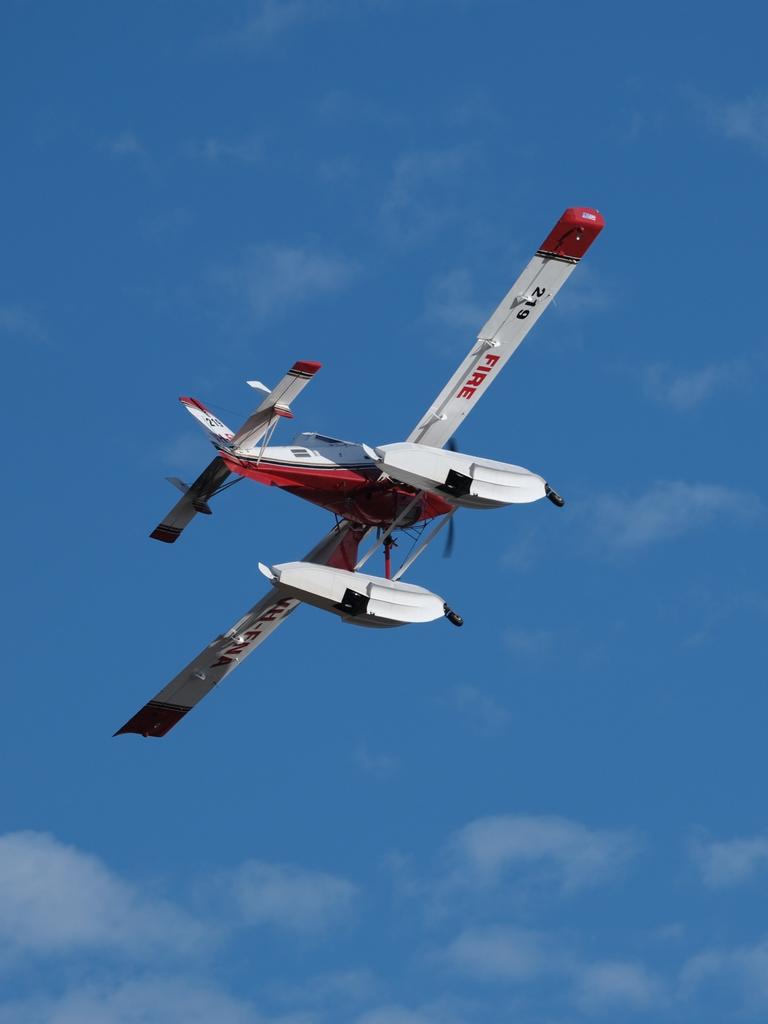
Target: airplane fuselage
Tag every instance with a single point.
(336, 475)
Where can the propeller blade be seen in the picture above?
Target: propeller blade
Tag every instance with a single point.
(450, 536)
(449, 540)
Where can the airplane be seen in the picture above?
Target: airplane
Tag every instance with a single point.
(408, 486)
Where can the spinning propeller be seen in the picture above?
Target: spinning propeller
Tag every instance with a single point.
(450, 536)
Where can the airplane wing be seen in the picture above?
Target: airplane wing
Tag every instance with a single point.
(338, 548)
(521, 307)
(194, 500)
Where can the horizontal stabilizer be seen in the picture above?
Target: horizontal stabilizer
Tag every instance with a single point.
(197, 503)
(276, 404)
(194, 500)
(257, 427)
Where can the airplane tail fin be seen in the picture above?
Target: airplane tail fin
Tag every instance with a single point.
(217, 431)
(257, 427)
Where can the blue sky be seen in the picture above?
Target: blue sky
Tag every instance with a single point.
(553, 816)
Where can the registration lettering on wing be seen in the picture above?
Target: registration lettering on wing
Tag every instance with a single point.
(478, 377)
(243, 642)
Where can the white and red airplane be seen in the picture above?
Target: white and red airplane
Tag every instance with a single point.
(381, 490)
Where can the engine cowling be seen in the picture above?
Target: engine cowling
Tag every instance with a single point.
(465, 480)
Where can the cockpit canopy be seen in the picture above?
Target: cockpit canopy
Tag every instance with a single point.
(309, 440)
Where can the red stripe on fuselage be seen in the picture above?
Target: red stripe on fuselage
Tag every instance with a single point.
(355, 494)
(282, 474)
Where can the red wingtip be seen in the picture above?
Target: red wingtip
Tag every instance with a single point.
(573, 234)
(167, 534)
(154, 719)
(186, 400)
(306, 366)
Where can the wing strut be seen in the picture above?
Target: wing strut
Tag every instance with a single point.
(401, 518)
(425, 542)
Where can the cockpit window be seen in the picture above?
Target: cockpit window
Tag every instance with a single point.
(330, 440)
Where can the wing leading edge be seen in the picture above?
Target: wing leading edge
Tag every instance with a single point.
(223, 655)
(518, 311)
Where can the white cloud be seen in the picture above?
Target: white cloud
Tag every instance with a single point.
(496, 951)
(396, 1014)
(479, 108)
(743, 970)
(245, 151)
(379, 766)
(729, 862)
(524, 551)
(270, 19)
(586, 292)
(143, 1001)
(667, 510)
(424, 193)
(610, 983)
(531, 642)
(538, 648)
(334, 988)
(477, 707)
(55, 899)
(124, 144)
(341, 105)
(20, 323)
(497, 859)
(183, 453)
(683, 390)
(338, 170)
(290, 897)
(744, 120)
(522, 956)
(486, 849)
(170, 220)
(451, 302)
(273, 278)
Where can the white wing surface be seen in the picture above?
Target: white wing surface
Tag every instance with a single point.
(338, 548)
(521, 307)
